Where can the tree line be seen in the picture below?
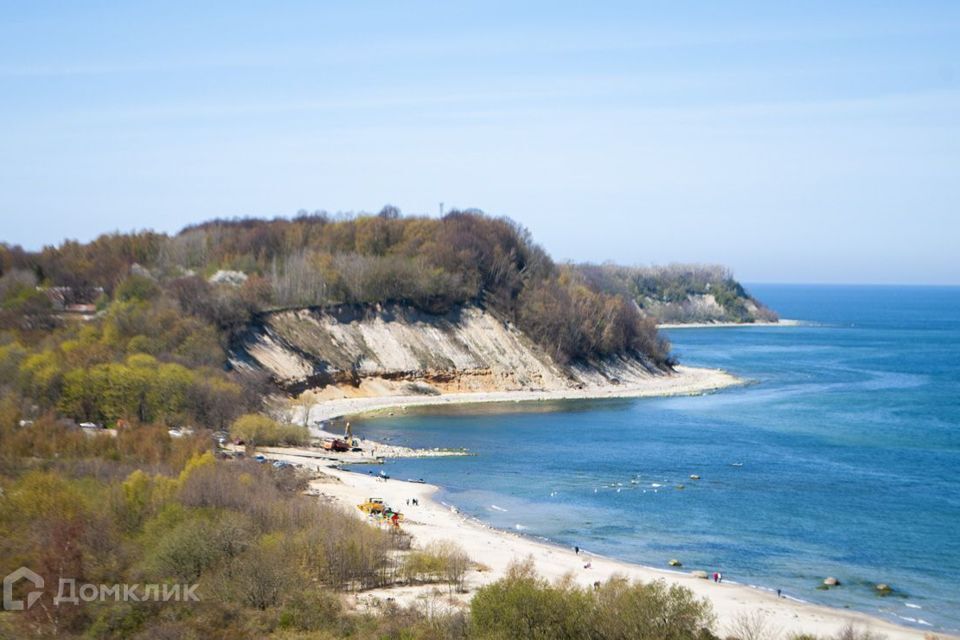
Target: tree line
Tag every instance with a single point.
(666, 293)
(143, 508)
(316, 260)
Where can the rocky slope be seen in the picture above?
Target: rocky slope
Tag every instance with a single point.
(681, 293)
(704, 307)
(396, 349)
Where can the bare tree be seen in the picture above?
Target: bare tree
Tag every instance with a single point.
(753, 626)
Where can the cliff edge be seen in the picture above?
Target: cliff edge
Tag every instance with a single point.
(389, 349)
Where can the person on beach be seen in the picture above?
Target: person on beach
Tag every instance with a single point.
(719, 577)
(778, 593)
(576, 550)
(715, 576)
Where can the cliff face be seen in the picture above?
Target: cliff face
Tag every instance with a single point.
(680, 293)
(704, 307)
(394, 348)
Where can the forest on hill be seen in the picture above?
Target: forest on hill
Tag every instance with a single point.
(224, 271)
(160, 311)
(681, 293)
(132, 331)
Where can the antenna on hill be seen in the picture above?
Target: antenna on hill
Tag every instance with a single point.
(441, 209)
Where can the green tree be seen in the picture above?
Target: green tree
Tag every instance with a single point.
(259, 429)
(524, 606)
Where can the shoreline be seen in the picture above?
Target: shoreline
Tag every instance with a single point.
(685, 381)
(783, 322)
(497, 549)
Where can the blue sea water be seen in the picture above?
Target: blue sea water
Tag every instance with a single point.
(841, 458)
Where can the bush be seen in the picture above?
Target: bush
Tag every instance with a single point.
(753, 626)
(650, 611)
(850, 632)
(258, 429)
(265, 576)
(524, 605)
(199, 542)
(137, 287)
(311, 610)
(440, 561)
(346, 553)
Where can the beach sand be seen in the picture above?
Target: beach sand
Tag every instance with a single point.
(497, 550)
(685, 381)
(432, 521)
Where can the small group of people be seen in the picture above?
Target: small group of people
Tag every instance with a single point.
(717, 577)
(413, 501)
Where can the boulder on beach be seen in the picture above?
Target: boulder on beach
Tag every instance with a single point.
(699, 574)
(831, 582)
(676, 563)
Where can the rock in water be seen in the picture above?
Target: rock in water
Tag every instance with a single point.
(831, 582)
(884, 589)
(676, 563)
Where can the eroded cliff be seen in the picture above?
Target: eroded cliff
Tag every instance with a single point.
(393, 348)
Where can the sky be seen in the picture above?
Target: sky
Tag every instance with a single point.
(793, 142)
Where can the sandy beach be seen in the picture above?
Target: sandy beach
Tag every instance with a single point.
(496, 549)
(432, 521)
(685, 381)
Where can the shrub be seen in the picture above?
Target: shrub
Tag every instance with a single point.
(753, 626)
(650, 611)
(199, 542)
(261, 430)
(311, 610)
(137, 287)
(524, 605)
(850, 632)
(264, 576)
(440, 561)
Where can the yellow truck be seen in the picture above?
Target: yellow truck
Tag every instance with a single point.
(373, 506)
(376, 507)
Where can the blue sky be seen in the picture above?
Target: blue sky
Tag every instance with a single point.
(794, 142)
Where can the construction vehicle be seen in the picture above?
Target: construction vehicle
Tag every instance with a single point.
(354, 443)
(373, 506)
(376, 507)
(335, 444)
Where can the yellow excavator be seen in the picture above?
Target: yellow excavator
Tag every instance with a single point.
(373, 506)
(376, 507)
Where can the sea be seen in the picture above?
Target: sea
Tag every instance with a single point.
(839, 457)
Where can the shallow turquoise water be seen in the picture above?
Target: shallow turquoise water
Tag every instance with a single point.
(841, 458)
